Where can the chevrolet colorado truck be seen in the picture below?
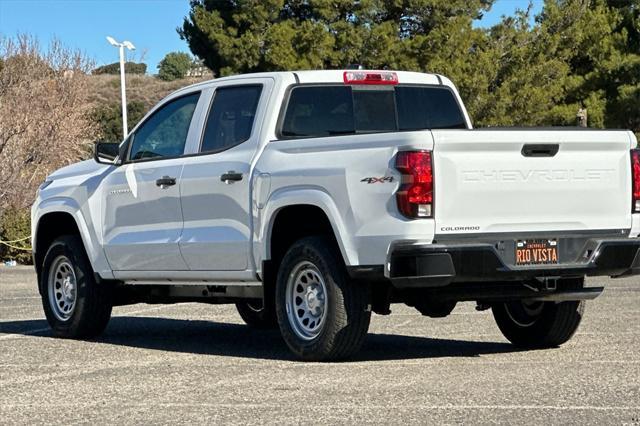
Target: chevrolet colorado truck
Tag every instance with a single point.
(312, 199)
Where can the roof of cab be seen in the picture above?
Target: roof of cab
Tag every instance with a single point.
(337, 76)
(329, 76)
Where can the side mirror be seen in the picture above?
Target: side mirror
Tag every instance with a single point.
(106, 153)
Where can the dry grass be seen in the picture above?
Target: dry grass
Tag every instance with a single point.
(105, 89)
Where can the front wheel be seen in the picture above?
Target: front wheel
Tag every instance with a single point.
(539, 324)
(75, 305)
(322, 314)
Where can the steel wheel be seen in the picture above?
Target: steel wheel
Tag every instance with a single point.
(256, 306)
(524, 313)
(306, 302)
(322, 314)
(62, 285)
(529, 324)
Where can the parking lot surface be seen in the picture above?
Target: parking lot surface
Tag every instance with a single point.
(197, 363)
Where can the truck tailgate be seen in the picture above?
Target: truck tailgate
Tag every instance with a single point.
(510, 181)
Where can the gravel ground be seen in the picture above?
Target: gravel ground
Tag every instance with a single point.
(193, 363)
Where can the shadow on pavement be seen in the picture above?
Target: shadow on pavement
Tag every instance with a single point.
(212, 338)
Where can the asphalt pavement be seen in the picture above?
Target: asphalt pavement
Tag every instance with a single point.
(197, 363)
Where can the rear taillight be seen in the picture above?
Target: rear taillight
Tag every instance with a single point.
(415, 196)
(635, 180)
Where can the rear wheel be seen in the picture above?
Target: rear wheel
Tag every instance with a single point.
(322, 314)
(74, 303)
(255, 314)
(540, 324)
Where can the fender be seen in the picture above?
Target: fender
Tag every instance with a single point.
(88, 234)
(302, 195)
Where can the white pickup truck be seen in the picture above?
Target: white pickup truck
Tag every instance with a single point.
(311, 199)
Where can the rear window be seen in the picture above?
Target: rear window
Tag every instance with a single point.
(314, 111)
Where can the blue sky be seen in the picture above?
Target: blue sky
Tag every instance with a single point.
(149, 24)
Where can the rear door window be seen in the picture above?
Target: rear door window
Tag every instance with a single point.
(231, 117)
(316, 111)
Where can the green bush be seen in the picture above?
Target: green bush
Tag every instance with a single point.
(114, 68)
(108, 119)
(15, 224)
(174, 66)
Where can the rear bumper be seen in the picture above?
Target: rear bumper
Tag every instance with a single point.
(437, 265)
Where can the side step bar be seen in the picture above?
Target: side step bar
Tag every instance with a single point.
(128, 294)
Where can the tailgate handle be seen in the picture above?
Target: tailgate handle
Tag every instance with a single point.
(540, 150)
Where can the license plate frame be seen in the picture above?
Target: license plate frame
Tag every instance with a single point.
(537, 251)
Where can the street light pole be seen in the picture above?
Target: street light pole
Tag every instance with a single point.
(123, 91)
(123, 94)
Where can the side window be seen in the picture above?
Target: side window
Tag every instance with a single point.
(319, 111)
(164, 134)
(231, 117)
(428, 108)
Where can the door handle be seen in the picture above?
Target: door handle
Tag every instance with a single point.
(165, 182)
(231, 176)
(540, 150)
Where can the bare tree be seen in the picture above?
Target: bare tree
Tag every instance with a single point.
(44, 121)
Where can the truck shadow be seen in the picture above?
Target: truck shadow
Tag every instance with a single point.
(236, 340)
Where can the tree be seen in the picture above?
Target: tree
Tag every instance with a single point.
(621, 74)
(598, 42)
(114, 68)
(522, 78)
(175, 65)
(577, 53)
(247, 36)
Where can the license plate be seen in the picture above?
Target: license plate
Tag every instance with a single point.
(536, 252)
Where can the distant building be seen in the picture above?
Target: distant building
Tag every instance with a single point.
(198, 69)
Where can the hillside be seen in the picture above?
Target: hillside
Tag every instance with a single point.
(105, 89)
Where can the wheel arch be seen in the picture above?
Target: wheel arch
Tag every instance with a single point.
(320, 216)
(61, 216)
(49, 227)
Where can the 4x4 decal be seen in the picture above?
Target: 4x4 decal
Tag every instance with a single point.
(383, 179)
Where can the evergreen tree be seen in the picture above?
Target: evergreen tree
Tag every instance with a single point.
(576, 53)
(249, 36)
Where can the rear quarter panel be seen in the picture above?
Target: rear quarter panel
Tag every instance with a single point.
(341, 174)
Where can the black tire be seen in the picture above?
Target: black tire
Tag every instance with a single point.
(539, 324)
(93, 301)
(346, 314)
(256, 315)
